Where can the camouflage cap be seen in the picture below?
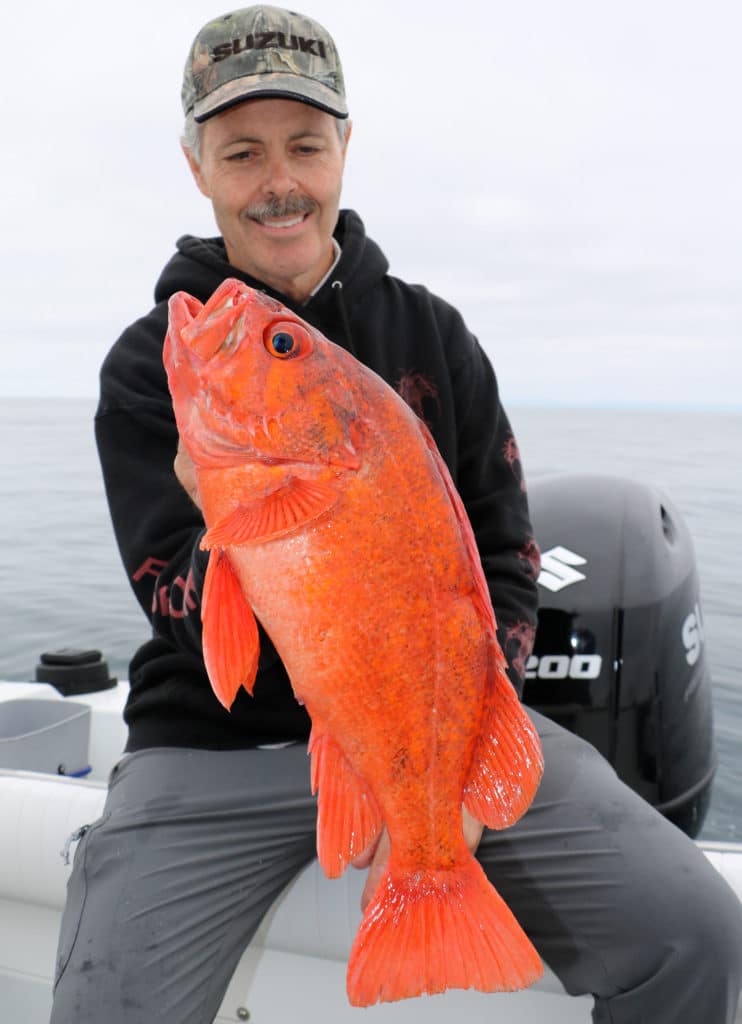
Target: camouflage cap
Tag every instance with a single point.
(262, 51)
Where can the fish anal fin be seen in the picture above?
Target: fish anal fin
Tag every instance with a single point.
(288, 507)
(231, 644)
(348, 816)
(507, 764)
(456, 932)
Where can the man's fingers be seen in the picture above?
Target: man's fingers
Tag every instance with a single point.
(376, 854)
(377, 869)
(364, 859)
(185, 471)
(473, 830)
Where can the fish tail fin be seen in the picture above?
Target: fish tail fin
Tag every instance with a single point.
(427, 932)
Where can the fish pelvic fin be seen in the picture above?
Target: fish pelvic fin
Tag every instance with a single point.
(508, 762)
(290, 506)
(348, 816)
(430, 931)
(231, 644)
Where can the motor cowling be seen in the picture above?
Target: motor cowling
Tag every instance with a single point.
(619, 656)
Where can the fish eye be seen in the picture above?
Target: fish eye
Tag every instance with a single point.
(282, 343)
(287, 340)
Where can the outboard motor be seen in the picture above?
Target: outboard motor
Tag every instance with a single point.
(619, 656)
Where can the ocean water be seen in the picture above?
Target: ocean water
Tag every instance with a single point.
(61, 582)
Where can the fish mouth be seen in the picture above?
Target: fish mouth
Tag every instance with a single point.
(217, 327)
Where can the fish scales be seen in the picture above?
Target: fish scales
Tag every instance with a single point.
(333, 521)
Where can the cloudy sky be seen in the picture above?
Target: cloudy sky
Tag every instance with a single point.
(567, 173)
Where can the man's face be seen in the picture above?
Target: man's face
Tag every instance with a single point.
(273, 171)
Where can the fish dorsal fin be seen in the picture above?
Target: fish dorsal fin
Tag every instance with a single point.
(294, 503)
(481, 590)
(507, 764)
(348, 816)
(231, 644)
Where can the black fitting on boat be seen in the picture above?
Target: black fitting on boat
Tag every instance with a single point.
(73, 671)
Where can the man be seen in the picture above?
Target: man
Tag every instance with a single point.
(203, 825)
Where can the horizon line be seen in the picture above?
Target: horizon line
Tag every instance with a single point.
(613, 405)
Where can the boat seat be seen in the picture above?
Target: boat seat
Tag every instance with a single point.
(314, 916)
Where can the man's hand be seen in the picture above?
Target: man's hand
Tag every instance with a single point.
(186, 474)
(375, 856)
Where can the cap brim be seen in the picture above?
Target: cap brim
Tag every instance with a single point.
(271, 84)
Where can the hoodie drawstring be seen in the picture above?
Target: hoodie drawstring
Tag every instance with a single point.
(337, 287)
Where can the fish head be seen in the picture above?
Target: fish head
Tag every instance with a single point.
(251, 381)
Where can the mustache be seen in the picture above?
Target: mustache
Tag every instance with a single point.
(289, 206)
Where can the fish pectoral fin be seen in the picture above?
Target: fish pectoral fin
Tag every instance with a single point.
(231, 644)
(294, 503)
(508, 763)
(348, 816)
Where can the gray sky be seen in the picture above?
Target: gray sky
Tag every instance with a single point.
(567, 174)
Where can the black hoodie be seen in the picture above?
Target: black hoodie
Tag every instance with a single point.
(420, 346)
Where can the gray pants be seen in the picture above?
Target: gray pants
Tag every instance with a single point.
(169, 886)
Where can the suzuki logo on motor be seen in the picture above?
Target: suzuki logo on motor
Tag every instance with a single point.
(562, 666)
(692, 634)
(556, 568)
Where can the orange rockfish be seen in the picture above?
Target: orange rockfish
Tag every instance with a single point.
(333, 520)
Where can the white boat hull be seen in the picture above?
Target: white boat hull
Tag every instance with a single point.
(306, 937)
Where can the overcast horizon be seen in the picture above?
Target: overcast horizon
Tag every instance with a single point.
(567, 175)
